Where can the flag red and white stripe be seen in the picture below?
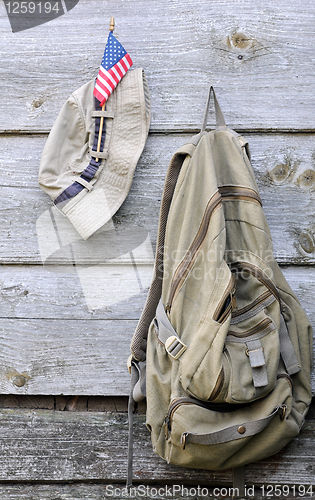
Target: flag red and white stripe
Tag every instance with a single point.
(107, 81)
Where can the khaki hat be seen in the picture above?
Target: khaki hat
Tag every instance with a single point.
(87, 191)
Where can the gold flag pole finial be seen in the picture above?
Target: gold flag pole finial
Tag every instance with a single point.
(112, 24)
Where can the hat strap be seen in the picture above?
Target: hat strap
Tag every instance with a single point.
(83, 182)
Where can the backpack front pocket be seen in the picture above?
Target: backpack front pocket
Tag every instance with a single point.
(201, 372)
(252, 345)
(253, 358)
(217, 436)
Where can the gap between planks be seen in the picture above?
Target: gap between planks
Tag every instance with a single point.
(175, 131)
(109, 404)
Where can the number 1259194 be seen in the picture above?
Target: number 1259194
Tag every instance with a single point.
(32, 7)
(285, 490)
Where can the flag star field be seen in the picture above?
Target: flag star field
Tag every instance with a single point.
(115, 64)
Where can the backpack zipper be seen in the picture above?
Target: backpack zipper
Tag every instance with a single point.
(260, 275)
(173, 407)
(287, 377)
(188, 261)
(252, 305)
(178, 402)
(220, 316)
(263, 325)
(243, 193)
(218, 386)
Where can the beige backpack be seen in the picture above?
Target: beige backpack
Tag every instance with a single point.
(226, 345)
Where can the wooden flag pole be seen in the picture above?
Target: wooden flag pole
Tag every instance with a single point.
(111, 28)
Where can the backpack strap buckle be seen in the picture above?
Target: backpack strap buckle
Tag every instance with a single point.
(166, 333)
(175, 347)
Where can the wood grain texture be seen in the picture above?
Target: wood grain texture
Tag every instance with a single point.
(53, 344)
(44, 446)
(33, 292)
(65, 356)
(283, 165)
(258, 55)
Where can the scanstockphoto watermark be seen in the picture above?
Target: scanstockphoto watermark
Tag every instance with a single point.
(177, 491)
(171, 491)
(24, 15)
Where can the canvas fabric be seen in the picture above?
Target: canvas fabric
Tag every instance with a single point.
(69, 147)
(226, 344)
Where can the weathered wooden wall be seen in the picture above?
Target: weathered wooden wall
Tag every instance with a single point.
(68, 311)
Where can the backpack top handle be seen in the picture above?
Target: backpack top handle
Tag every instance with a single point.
(219, 118)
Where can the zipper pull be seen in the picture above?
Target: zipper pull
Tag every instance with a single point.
(232, 294)
(168, 310)
(167, 426)
(233, 301)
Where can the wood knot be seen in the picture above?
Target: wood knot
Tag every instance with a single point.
(240, 41)
(19, 380)
(280, 173)
(243, 46)
(37, 103)
(13, 292)
(306, 179)
(307, 242)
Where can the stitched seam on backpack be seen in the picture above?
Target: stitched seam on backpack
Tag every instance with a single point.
(198, 369)
(250, 224)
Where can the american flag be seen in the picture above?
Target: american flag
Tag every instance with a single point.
(115, 64)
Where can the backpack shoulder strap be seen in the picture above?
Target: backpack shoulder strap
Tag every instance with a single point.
(139, 340)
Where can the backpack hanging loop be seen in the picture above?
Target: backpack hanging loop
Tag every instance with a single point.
(219, 118)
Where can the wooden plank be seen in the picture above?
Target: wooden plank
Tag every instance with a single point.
(51, 342)
(43, 402)
(28, 231)
(117, 404)
(283, 165)
(254, 54)
(65, 356)
(33, 292)
(100, 292)
(46, 446)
